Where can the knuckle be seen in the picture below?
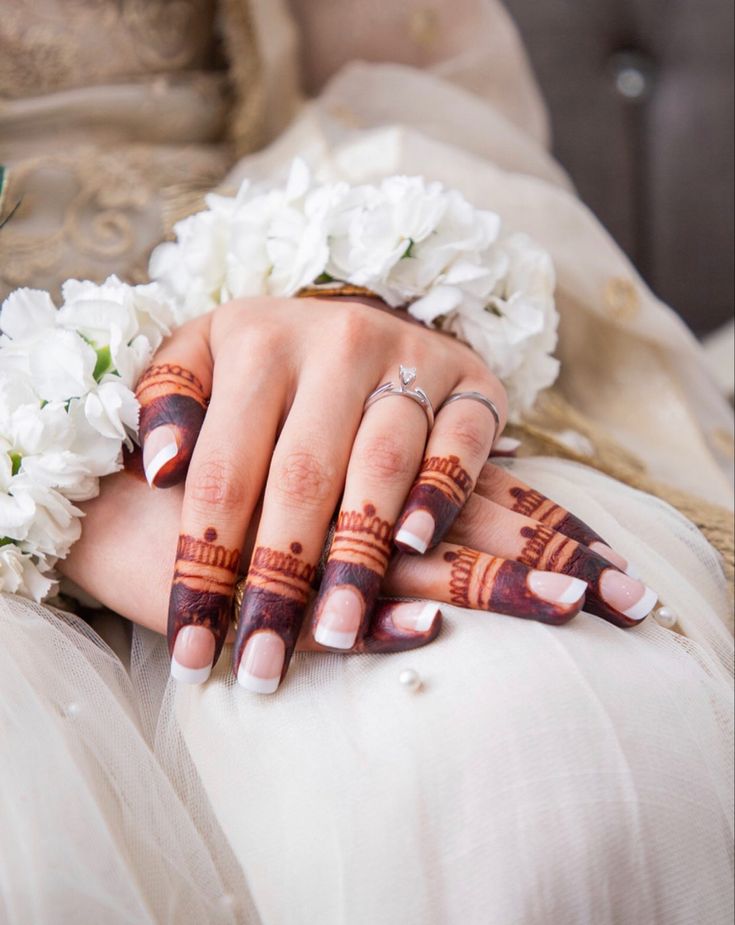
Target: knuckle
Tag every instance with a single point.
(216, 485)
(470, 434)
(304, 479)
(351, 330)
(387, 458)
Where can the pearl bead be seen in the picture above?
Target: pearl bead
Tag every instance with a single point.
(71, 710)
(666, 617)
(410, 679)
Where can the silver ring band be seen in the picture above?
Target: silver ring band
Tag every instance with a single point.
(476, 396)
(407, 377)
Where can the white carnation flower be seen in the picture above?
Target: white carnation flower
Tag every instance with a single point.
(112, 409)
(61, 364)
(19, 574)
(26, 312)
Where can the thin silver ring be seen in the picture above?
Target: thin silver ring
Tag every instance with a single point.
(475, 396)
(406, 378)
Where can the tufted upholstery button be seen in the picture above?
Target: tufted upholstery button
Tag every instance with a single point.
(633, 75)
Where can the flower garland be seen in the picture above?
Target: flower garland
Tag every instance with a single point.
(67, 374)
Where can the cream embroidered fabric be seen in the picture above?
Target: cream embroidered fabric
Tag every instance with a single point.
(580, 774)
(111, 112)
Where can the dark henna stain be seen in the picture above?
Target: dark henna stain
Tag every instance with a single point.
(450, 556)
(538, 541)
(210, 534)
(482, 582)
(552, 551)
(441, 489)
(384, 636)
(532, 503)
(358, 557)
(204, 578)
(277, 590)
(576, 529)
(172, 395)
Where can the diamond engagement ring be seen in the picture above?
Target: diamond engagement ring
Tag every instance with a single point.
(407, 378)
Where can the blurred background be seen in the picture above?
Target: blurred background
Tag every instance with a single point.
(641, 101)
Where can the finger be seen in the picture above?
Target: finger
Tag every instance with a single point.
(458, 448)
(383, 464)
(616, 597)
(173, 395)
(470, 578)
(224, 481)
(304, 486)
(396, 626)
(505, 489)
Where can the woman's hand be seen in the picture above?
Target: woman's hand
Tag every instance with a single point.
(126, 555)
(265, 398)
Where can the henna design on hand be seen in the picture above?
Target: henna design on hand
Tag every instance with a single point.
(441, 489)
(277, 590)
(204, 577)
(552, 551)
(482, 582)
(172, 395)
(533, 504)
(358, 558)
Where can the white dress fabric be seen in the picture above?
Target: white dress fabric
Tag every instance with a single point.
(579, 774)
(575, 774)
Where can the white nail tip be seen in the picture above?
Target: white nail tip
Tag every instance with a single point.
(644, 606)
(186, 675)
(256, 685)
(410, 539)
(426, 617)
(506, 445)
(159, 461)
(574, 592)
(334, 639)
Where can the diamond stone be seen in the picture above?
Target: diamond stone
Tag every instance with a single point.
(407, 376)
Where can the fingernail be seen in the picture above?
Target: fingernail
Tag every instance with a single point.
(602, 549)
(416, 616)
(339, 619)
(416, 531)
(627, 595)
(505, 446)
(160, 447)
(557, 588)
(262, 663)
(193, 655)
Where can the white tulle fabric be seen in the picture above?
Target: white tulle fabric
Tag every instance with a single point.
(576, 774)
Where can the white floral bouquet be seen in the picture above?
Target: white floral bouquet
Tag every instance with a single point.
(67, 375)
(414, 244)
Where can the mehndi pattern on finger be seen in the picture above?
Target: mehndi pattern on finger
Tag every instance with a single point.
(480, 581)
(202, 587)
(436, 498)
(173, 404)
(357, 561)
(616, 597)
(277, 590)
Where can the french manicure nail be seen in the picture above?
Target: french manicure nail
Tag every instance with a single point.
(339, 619)
(160, 448)
(556, 588)
(505, 446)
(416, 616)
(627, 595)
(261, 664)
(416, 531)
(193, 655)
